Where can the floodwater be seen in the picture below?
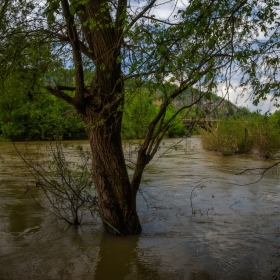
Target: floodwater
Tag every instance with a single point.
(199, 219)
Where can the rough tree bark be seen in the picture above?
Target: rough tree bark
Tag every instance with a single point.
(100, 106)
(102, 114)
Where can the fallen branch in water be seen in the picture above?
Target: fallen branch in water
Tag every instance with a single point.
(235, 202)
(261, 171)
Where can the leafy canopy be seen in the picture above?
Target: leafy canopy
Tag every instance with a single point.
(200, 44)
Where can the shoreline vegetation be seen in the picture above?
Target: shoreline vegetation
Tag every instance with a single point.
(259, 135)
(39, 116)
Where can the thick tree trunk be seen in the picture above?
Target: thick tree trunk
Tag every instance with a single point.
(103, 115)
(117, 202)
(101, 105)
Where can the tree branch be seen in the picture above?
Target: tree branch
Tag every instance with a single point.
(120, 15)
(60, 94)
(59, 87)
(263, 169)
(84, 49)
(141, 14)
(75, 43)
(161, 21)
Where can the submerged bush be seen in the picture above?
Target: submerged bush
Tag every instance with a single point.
(64, 183)
(266, 138)
(260, 134)
(227, 137)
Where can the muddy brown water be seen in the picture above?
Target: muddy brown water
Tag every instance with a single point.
(228, 230)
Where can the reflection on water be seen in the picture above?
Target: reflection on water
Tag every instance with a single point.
(119, 258)
(233, 234)
(118, 252)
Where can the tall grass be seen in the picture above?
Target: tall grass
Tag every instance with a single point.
(266, 137)
(242, 136)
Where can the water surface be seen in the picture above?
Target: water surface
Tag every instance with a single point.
(199, 219)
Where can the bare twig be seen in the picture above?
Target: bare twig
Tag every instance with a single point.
(235, 202)
(65, 183)
(191, 196)
(261, 171)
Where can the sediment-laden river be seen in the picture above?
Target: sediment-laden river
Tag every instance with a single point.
(199, 219)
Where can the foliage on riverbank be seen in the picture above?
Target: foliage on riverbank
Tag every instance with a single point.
(28, 112)
(140, 109)
(260, 135)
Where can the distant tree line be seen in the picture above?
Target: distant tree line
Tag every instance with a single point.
(29, 112)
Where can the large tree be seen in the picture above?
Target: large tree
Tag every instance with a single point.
(199, 44)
